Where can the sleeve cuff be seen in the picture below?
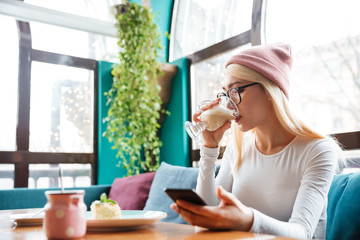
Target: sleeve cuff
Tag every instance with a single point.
(209, 152)
(255, 226)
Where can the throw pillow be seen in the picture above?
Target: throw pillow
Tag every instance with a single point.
(132, 192)
(343, 209)
(169, 176)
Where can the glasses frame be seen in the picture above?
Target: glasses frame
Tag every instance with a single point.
(237, 90)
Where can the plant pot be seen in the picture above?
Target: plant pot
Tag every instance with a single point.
(165, 81)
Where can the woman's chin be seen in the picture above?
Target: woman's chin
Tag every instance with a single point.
(243, 127)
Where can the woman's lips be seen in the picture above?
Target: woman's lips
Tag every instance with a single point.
(237, 119)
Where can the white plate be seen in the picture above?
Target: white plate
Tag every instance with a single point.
(6, 225)
(130, 219)
(23, 219)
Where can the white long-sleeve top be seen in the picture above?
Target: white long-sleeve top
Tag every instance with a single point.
(287, 191)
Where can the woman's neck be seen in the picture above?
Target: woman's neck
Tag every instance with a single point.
(271, 137)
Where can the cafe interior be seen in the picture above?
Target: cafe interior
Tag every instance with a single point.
(82, 111)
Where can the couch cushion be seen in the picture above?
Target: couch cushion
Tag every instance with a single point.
(35, 198)
(169, 176)
(343, 212)
(132, 192)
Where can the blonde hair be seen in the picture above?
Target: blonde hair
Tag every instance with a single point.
(289, 121)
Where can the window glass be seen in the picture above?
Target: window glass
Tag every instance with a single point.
(206, 82)
(9, 61)
(100, 10)
(352, 161)
(201, 23)
(325, 80)
(62, 108)
(47, 175)
(73, 42)
(7, 176)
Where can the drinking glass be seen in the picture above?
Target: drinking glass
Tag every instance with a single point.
(212, 118)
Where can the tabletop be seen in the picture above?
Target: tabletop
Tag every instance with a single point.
(158, 230)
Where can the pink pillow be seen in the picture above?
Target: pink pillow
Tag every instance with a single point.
(132, 192)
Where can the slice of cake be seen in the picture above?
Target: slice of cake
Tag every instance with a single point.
(105, 208)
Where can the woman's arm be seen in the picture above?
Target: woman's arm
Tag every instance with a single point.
(206, 182)
(229, 214)
(310, 200)
(309, 204)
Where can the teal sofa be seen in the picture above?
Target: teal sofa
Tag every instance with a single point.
(20, 198)
(343, 212)
(343, 200)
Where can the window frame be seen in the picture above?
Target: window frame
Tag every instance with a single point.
(22, 157)
(255, 36)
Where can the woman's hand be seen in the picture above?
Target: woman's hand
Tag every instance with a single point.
(230, 214)
(212, 139)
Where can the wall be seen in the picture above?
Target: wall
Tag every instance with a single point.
(175, 149)
(162, 10)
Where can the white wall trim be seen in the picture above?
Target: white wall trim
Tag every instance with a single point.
(27, 12)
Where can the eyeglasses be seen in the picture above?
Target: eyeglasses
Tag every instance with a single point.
(235, 93)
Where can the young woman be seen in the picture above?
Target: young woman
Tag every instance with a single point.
(276, 173)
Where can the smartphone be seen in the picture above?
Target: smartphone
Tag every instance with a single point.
(188, 195)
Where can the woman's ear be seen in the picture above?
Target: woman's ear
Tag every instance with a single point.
(267, 94)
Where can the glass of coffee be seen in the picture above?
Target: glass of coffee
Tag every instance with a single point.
(212, 118)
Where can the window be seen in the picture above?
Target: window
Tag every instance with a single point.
(64, 121)
(49, 99)
(75, 43)
(326, 69)
(7, 176)
(8, 96)
(206, 82)
(202, 23)
(8, 83)
(45, 175)
(87, 8)
(48, 91)
(223, 28)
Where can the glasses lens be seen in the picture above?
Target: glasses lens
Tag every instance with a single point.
(222, 94)
(234, 95)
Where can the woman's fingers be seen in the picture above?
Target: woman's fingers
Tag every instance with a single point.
(196, 116)
(230, 214)
(194, 215)
(223, 128)
(219, 133)
(244, 216)
(174, 207)
(226, 197)
(211, 104)
(197, 209)
(204, 108)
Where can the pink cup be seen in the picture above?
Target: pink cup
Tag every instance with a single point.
(65, 214)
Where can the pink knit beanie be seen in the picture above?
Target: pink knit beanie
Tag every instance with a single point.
(272, 60)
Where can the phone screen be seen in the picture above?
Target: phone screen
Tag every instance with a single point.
(188, 195)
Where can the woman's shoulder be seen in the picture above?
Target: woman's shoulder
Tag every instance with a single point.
(325, 144)
(318, 151)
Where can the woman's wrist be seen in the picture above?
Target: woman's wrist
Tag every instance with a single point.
(250, 221)
(211, 145)
(206, 152)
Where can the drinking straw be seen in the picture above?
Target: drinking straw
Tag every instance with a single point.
(61, 178)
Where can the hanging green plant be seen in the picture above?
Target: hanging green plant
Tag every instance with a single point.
(134, 103)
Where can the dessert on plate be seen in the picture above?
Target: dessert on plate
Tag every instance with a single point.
(105, 208)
